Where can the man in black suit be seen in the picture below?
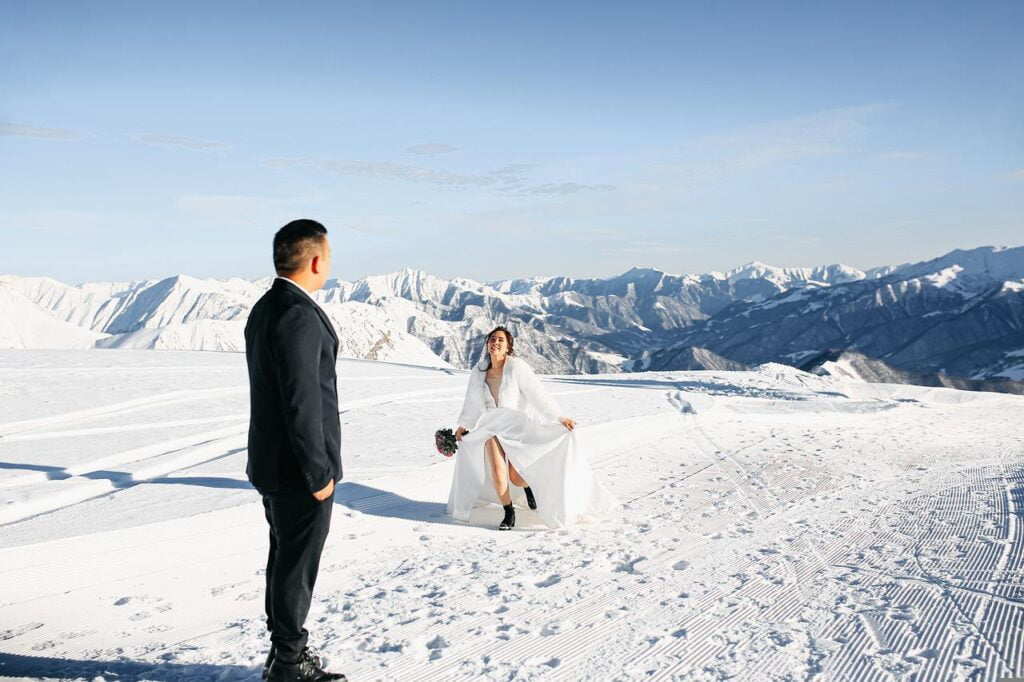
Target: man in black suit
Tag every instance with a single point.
(294, 438)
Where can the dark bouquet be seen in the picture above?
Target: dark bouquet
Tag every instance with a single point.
(445, 441)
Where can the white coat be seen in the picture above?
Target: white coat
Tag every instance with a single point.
(520, 389)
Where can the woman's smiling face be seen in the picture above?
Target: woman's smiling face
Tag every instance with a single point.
(497, 344)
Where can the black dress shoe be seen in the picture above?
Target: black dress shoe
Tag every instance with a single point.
(531, 501)
(308, 651)
(306, 669)
(509, 522)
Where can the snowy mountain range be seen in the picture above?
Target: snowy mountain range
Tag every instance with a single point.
(961, 315)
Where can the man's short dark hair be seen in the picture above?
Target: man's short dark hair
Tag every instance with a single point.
(294, 243)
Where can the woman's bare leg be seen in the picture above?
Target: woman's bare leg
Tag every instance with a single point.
(499, 472)
(513, 475)
(516, 479)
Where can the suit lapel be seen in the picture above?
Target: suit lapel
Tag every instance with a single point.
(327, 323)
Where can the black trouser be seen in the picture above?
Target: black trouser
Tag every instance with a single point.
(298, 529)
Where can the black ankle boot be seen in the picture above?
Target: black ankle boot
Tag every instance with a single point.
(509, 522)
(531, 501)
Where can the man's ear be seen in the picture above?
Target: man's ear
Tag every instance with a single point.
(315, 265)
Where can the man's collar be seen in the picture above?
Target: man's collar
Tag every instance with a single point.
(297, 286)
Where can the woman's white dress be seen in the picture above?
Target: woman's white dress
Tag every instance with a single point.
(545, 453)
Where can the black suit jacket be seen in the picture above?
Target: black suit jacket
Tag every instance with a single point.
(294, 428)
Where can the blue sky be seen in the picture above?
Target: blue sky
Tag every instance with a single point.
(493, 140)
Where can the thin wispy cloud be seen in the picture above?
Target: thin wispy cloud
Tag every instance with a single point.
(388, 226)
(514, 177)
(514, 170)
(646, 248)
(510, 178)
(564, 188)
(62, 223)
(902, 156)
(180, 142)
(431, 149)
(592, 233)
(533, 222)
(387, 170)
(16, 130)
(1018, 175)
(823, 132)
(246, 210)
(715, 159)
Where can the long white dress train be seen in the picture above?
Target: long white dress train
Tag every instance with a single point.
(544, 452)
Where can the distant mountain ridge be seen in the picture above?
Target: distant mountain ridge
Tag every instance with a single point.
(961, 315)
(846, 364)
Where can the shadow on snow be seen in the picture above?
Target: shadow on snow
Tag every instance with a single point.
(41, 667)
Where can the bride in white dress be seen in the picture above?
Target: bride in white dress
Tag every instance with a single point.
(511, 430)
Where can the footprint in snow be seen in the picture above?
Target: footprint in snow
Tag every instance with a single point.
(549, 581)
(555, 627)
(18, 631)
(629, 565)
(436, 647)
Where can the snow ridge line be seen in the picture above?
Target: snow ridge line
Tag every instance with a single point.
(174, 397)
(207, 451)
(193, 450)
(125, 428)
(116, 409)
(138, 454)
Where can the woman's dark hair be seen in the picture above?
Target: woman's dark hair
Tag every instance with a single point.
(508, 337)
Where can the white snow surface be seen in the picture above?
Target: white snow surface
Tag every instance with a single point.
(992, 263)
(786, 278)
(776, 525)
(208, 335)
(23, 324)
(840, 368)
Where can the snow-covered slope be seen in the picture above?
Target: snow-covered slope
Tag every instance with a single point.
(210, 335)
(91, 306)
(23, 324)
(776, 525)
(859, 367)
(685, 358)
(986, 263)
(364, 331)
